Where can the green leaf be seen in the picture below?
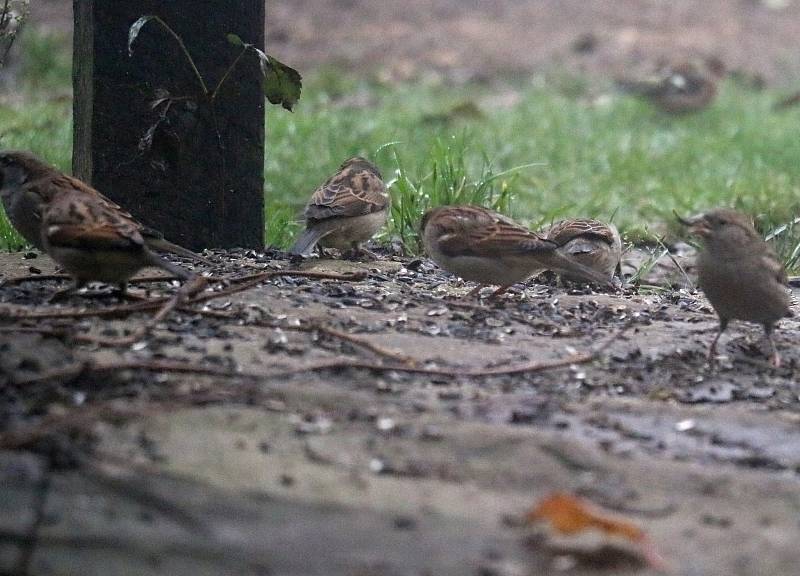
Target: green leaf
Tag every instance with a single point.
(234, 39)
(282, 84)
(134, 30)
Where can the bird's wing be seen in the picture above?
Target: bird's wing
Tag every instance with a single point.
(566, 230)
(72, 221)
(486, 234)
(152, 237)
(348, 193)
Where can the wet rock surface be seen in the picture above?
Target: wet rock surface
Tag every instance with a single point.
(358, 470)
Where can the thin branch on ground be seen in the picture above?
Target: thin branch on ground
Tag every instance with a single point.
(167, 366)
(364, 343)
(49, 277)
(84, 417)
(241, 285)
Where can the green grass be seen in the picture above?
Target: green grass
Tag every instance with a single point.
(620, 158)
(553, 153)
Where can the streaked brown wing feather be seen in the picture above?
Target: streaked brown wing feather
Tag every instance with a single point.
(495, 240)
(104, 237)
(348, 193)
(70, 220)
(63, 183)
(566, 230)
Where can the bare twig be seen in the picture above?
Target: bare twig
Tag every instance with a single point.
(227, 73)
(186, 53)
(167, 366)
(48, 277)
(347, 337)
(34, 278)
(241, 285)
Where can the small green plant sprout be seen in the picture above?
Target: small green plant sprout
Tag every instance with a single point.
(787, 243)
(281, 84)
(446, 178)
(12, 14)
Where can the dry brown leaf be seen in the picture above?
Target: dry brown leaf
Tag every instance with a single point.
(570, 515)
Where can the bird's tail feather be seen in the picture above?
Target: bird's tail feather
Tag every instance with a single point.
(178, 271)
(307, 240)
(163, 245)
(564, 264)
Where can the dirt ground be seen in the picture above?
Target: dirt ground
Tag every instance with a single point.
(381, 424)
(461, 40)
(393, 460)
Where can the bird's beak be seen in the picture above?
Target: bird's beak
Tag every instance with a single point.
(697, 225)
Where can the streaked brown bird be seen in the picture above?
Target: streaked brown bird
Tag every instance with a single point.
(27, 185)
(740, 274)
(483, 246)
(594, 244)
(681, 87)
(90, 236)
(349, 208)
(95, 242)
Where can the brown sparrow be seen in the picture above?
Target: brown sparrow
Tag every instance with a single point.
(483, 246)
(739, 273)
(28, 185)
(94, 241)
(682, 87)
(349, 208)
(86, 233)
(590, 242)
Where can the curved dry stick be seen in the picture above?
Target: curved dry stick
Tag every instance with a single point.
(341, 335)
(168, 366)
(248, 282)
(48, 277)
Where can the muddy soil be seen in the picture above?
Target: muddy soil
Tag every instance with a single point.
(277, 465)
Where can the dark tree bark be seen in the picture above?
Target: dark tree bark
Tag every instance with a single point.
(185, 165)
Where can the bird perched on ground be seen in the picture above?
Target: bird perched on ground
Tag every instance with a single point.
(590, 242)
(681, 87)
(94, 241)
(27, 185)
(739, 273)
(82, 230)
(483, 246)
(349, 208)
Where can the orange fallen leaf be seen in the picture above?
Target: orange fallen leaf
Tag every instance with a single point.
(570, 515)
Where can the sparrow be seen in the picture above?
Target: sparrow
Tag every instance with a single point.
(590, 242)
(349, 208)
(95, 241)
(28, 185)
(90, 236)
(682, 87)
(483, 246)
(739, 273)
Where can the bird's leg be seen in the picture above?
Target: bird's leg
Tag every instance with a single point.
(65, 292)
(475, 292)
(712, 350)
(775, 357)
(321, 251)
(363, 251)
(122, 290)
(499, 291)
